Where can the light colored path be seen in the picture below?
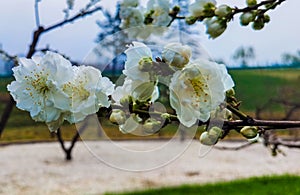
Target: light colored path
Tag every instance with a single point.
(41, 168)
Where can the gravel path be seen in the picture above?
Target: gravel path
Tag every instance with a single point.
(41, 168)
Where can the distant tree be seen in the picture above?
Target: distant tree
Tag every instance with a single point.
(244, 55)
(291, 59)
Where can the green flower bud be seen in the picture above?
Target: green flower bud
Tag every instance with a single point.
(191, 20)
(230, 93)
(215, 132)
(251, 2)
(143, 92)
(215, 27)
(145, 64)
(228, 115)
(151, 125)
(258, 24)
(223, 11)
(249, 132)
(130, 3)
(209, 9)
(207, 139)
(125, 101)
(176, 9)
(118, 116)
(246, 18)
(267, 18)
(131, 124)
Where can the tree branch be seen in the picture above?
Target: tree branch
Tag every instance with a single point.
(262, 123)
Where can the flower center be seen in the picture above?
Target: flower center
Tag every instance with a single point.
(39, 82)
(199, 90)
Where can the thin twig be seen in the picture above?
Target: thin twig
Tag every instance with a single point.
(36, 12)
(243, 146)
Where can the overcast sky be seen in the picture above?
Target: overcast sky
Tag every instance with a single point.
(17, 23)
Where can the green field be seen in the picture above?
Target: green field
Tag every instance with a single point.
(272, 185)
(256, 87)
(253, 87)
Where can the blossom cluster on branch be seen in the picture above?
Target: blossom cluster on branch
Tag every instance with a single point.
(160, 13)
(53, 90)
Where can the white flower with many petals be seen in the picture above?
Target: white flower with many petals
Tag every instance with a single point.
(198, 89)
(138, 57)
(38, 86)
(158, 10)
(198, 8)
(176, 54)
(88, 91)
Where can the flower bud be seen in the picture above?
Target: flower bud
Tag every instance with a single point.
(176, 9)
(143, 92)
(203, 8)
(131, 124)
(176, 55)
(258, 24)
(125, 101)
(118, 116)
(228, 115)
(251, 2)
(230, 93)
(145, 64)
(223, 11)
(266, 18)
(130, 3)
(207, 139)
(246, 18)
(215, 132)
(249, 132)
(151, 125)
(215, 27)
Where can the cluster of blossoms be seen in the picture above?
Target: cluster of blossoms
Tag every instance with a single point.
(140, 21)
(53, 90)
(216, 17)
(196, 87)
(159, 13)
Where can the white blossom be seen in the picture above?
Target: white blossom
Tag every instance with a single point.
(176, 54)
(198, 89)
(38, 86)
(53, 90)
(89, 91)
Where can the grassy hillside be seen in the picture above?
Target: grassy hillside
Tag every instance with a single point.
(255, 87)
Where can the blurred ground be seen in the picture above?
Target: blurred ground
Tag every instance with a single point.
(41, 168)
